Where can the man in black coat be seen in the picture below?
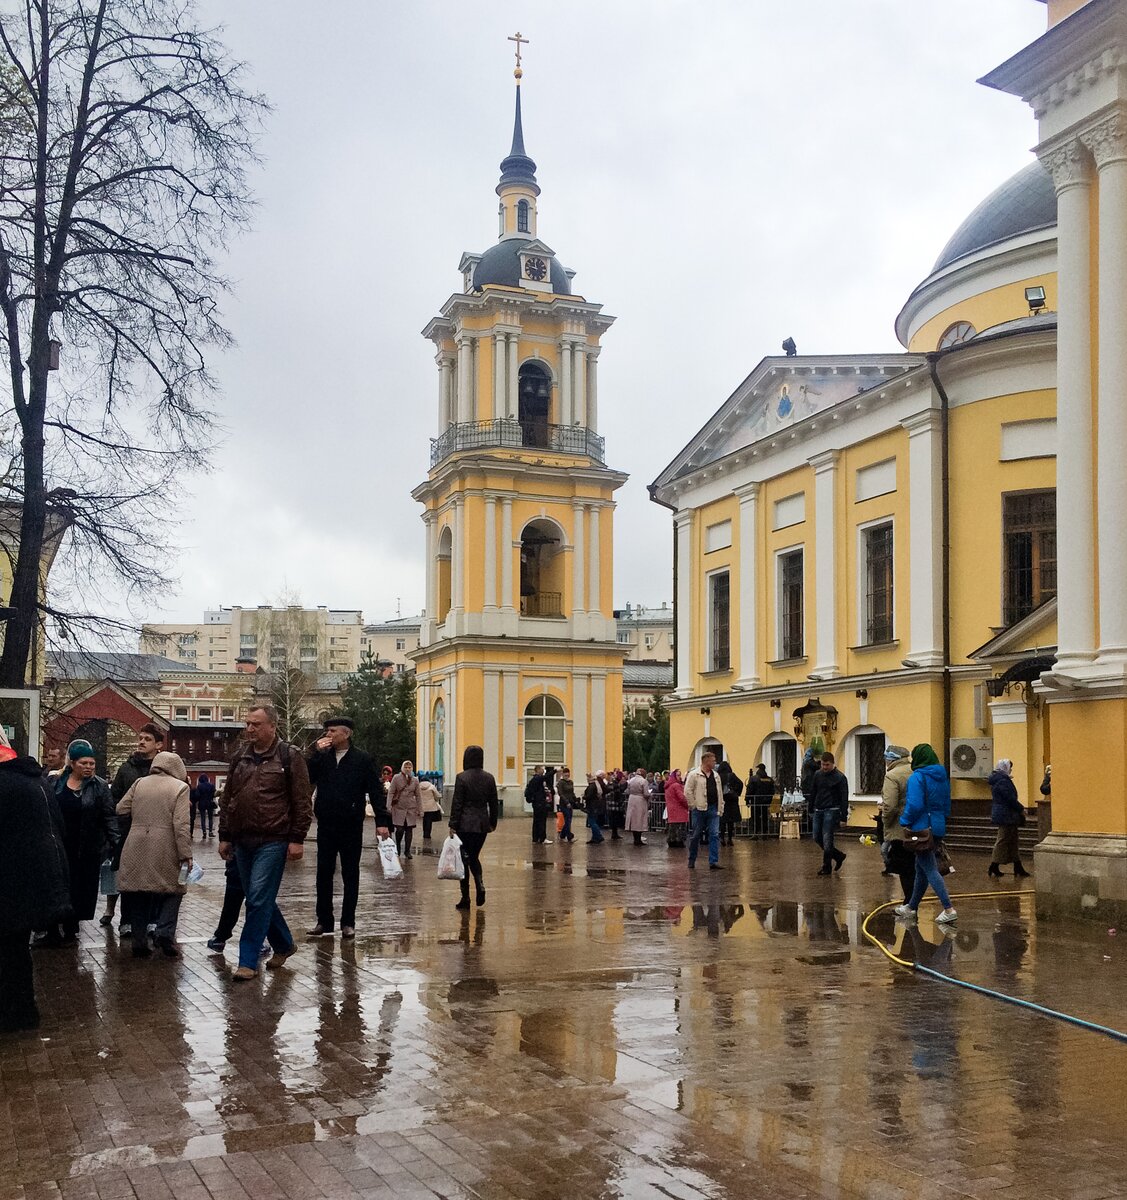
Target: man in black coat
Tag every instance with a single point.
(346, 779)
(536, 794)
(34, 884)
(829, 797)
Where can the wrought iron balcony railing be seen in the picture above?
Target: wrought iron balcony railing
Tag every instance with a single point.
(507, 432)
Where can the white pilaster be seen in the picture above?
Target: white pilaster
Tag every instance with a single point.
(683, 533)
(578, 580)
(599, 721)
(565, 392)
(507, 555)
(593, 388)
(579, 378)
(490, 552)
(581, 728)
(748, 618)
(511, 405)
(1108, 143)
(595, 600)
(453, 750)
(825, 559)
(510, 747)
(1076, 630)
(445, 389)
(925, 539)
(491, 701)
(458, 557)
(424, 736)
(500, 355)
(426, 632)
(465, 378)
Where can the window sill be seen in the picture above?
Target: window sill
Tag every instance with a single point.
(788, 662)
(717, 671)
(874, 646)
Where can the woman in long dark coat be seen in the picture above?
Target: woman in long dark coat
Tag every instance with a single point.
(33, 883)
(90, 834)
(1008, 814)
(473, 816)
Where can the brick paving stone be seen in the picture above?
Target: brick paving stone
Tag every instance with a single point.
(609, 1025)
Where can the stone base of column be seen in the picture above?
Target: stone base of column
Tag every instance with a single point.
(822, 673)
(1082, 875)
(681, 693)
(748, 683)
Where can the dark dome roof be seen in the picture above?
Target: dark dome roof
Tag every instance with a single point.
(1022, 204)
(501, 264)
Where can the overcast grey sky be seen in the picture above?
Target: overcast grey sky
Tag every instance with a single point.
(721, 174)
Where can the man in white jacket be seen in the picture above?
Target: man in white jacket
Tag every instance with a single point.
(702, 794)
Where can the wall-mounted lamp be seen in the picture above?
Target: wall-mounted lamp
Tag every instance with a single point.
(706, 712)
(862, 694)
(996, 687)
(1035, 298)
(776, 704)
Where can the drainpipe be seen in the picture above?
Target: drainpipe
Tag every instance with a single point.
(945, 509)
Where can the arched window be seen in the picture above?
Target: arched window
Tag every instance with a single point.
(541, 570)
(955, 335)
(544, 731)
(442, 567)
(501, 219)
(522, 216)
(534, 402)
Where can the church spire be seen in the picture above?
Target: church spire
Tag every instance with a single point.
(518, 170)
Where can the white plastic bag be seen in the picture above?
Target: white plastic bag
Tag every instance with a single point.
(450, 865)
(389, 859)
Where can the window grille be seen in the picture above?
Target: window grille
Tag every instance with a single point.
(878, 584)
(791, 642)
(1029, 536)
(870, 763)
(719, 621)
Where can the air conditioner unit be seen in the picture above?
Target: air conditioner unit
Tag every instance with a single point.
(972, 758)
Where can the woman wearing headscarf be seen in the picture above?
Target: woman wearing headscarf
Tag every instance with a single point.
(405, 805)
(158, 847)
(676, 810)
(1008, 814)
(730, 815)
(927, 805)
(473, 816)
(90, 834)
(637, 806)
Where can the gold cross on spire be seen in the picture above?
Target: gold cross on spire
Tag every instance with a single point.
(519, 41)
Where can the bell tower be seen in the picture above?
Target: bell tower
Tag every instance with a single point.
(518, 650)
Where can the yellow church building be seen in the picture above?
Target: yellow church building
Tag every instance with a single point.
(518, 650)
(866, 546)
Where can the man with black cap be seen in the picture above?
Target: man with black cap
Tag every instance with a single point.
(344, 778)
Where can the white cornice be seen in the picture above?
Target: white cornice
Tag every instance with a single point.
(496, 297)
(452, 471)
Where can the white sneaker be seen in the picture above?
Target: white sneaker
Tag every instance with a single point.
(547, 841)
(947, 918)
(902, 910)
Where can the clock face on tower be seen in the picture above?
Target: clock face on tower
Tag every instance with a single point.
(535, 268)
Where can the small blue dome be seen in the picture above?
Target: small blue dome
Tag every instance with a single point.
(500, 264)
(1023, 204)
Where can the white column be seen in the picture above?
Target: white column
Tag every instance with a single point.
(683, 608)
(595, 600)
(510, 734)
(579, 379)
(565, 392)
(1076, 631)
(499, 389)
(490, 552)
(492, 722)
(507, 555)
(445, 367)
(458, 558)
(925, 539)
(593, 389)
(512, 406)
(748, 619)
(453, 751)
(581, 728)
(1108, 143)
(578, 575)
(825, 560)
(465, 378)
(599, 721)
(430, 521)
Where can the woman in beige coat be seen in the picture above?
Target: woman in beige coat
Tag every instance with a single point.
(159, 846)
(405, 805)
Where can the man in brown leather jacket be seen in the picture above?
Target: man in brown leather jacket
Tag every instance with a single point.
(264, 816)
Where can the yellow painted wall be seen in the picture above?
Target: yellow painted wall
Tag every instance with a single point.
(985, 310)
(1087, 742)
(976, 511)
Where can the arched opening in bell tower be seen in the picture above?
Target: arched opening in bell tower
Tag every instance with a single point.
(541, 570)
(534, 401)
(441, 566)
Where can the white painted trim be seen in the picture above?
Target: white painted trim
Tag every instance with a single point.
(747, 623)
(861, 594)
(825, 563)
(778, 556)
(709, 632)
(683, 640)
(925, 539)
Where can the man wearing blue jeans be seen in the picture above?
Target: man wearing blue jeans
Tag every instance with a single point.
(264, 817)
(702, 794)
(829, 798)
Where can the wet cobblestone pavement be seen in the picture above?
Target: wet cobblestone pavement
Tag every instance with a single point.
(609, 1024)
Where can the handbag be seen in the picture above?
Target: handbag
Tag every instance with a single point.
(942, 858)
(450, 864)
(561, 821)
(922, 841)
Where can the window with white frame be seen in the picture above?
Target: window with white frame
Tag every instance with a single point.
(625, 637)
(790, 603)
(544, 732)
(180, 712)
(719, 622)
(401, 643)
(651, 640)
(203, 714)
(877, 580)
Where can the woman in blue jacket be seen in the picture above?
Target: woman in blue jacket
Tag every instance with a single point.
(927, 806)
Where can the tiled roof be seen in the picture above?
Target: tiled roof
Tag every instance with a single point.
(120, 667)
